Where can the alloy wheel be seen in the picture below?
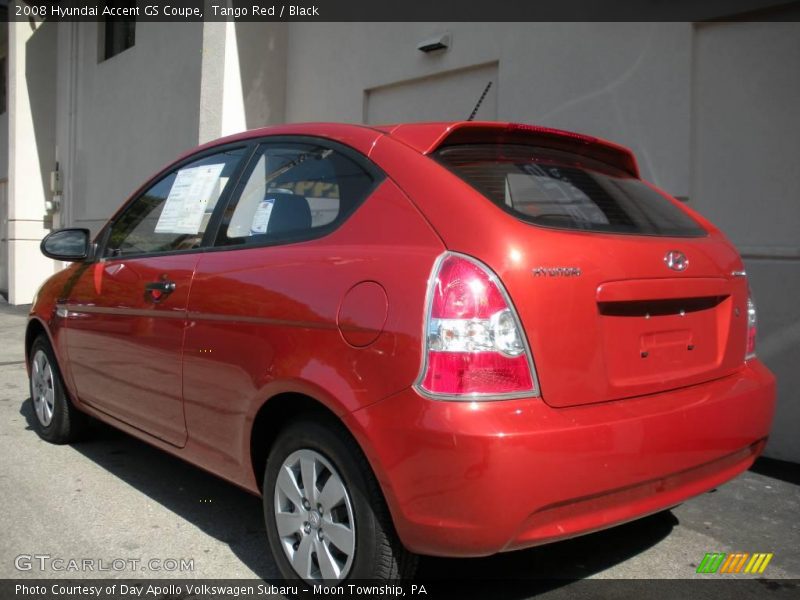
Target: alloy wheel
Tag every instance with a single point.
(42, 388)
(314, 517)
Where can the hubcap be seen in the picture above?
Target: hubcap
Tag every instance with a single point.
(42, 388)
(314, 517)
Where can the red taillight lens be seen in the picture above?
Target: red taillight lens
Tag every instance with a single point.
(751, 329)
(474, 343)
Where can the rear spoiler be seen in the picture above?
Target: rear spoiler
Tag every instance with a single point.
(428, 137)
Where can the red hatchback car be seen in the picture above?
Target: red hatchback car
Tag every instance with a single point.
(450, 339)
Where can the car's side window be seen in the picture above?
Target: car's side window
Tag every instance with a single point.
(172, 215)
(294, 191)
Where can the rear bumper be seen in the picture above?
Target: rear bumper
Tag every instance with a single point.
(476, 478)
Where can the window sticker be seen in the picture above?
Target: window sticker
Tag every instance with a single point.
(184, 208)
(261, 216)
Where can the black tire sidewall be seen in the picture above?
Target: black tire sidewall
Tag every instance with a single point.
(58, 429)
(313, 435)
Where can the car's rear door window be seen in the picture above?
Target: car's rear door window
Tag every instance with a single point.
(558, 189)
(294, 191)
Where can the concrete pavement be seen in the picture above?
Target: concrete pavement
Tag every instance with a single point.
(113, 497)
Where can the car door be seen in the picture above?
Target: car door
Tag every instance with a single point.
(125, 315)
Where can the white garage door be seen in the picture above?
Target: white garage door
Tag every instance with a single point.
(448, 96)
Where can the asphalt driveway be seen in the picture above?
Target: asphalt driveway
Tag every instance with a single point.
(113, 497)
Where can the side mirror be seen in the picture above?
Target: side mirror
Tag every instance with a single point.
(70, 244)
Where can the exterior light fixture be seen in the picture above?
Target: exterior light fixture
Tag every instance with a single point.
(437, 42)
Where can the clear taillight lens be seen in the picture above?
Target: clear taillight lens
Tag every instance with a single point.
(474, 344)
(752, 322)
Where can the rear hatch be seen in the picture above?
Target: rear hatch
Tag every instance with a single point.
(621, 291)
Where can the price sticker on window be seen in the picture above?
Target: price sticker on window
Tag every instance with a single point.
(261, 216)
(188, 198)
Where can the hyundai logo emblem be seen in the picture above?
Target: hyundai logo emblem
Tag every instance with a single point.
(676, 260)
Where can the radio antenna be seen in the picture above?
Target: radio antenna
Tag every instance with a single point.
(480, 101)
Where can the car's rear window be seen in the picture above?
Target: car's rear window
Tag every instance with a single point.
(553, 188)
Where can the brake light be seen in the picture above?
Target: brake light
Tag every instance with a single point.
(588, 139)
(474, 344)
(751, 329)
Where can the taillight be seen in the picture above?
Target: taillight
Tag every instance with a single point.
(751, 328)
(474, 343)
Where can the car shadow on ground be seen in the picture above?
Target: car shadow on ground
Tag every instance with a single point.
(778, 469)
(234, 517)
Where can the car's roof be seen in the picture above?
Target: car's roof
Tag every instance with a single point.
(425, 137)
(410, 132)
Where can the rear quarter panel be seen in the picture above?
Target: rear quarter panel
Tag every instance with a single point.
(263, 321)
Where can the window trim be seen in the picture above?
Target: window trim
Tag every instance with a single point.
(369, 167)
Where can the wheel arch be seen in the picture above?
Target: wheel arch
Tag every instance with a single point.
(273, 416)
(280, 409)
(33, 330)
(37, 326)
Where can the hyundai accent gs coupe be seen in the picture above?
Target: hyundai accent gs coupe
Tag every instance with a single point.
(449, 339)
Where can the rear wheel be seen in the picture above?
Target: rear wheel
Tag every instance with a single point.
(325, 513)
(55, 418)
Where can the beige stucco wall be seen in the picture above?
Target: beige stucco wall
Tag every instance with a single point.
(122, 119)
(629, 82)
(745, 148)
(31, 131)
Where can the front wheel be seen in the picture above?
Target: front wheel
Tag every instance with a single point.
(56, 419)
(326, 516)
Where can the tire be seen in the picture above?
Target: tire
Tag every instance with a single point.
(359, 519)
(55, 418)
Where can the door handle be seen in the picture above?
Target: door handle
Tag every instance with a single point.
(156, 290)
